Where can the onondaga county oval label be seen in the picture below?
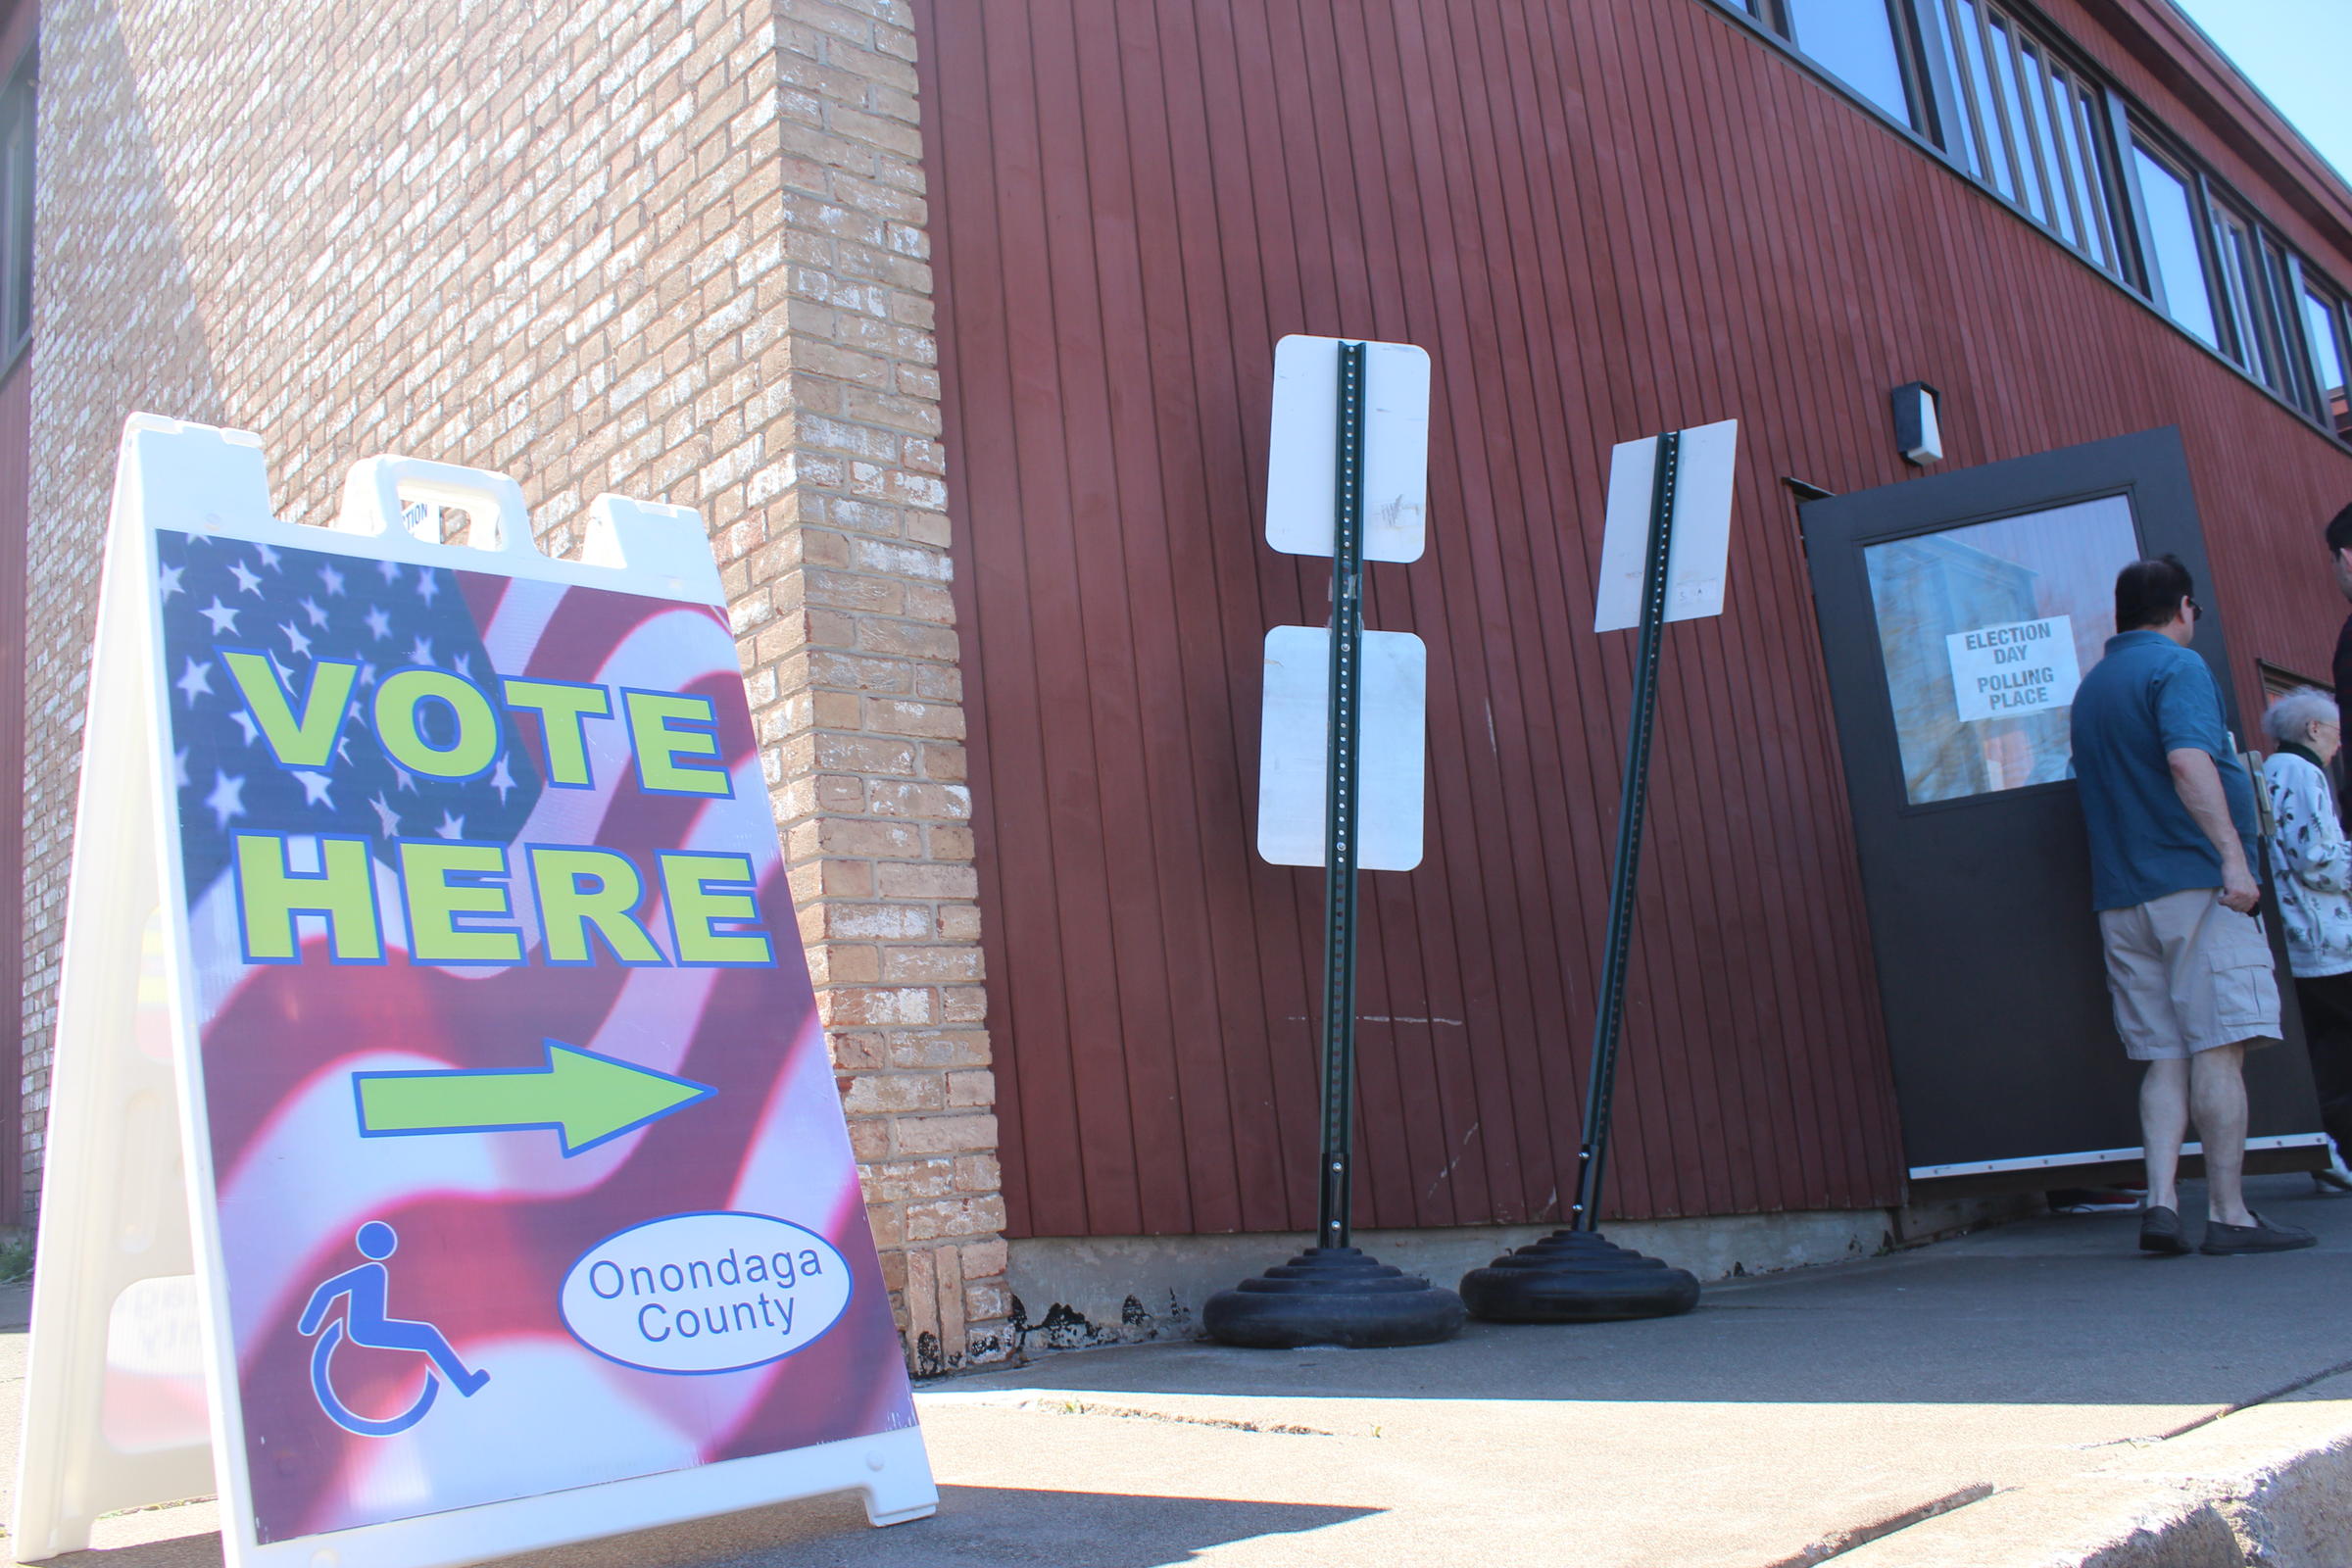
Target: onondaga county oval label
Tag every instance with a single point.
(706, 1292)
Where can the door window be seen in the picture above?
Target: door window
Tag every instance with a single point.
(1986, 630)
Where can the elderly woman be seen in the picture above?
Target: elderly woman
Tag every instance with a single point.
(2311, 868)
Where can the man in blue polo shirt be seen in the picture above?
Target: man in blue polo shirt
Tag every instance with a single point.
(2170, 813)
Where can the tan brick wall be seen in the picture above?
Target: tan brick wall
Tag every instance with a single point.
(675, 251)
(861, 647)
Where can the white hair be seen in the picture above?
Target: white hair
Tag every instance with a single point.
(2290, 717)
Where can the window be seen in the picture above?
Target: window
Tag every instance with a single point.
(2064, 110)
(2001, 59)
(1855, 40)
(2247, 292)
(1984, 629)
(2175, 261)
(2323, 328)
(2279, 276)
(2009, 102)
(2216, 270)
(15, 213)
(1960, 59)
(2025, 122)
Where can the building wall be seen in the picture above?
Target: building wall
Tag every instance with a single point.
(1603, 218)
(673, 252)
(684, 253)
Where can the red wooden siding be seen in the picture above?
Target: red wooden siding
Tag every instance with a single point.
(1603, 218)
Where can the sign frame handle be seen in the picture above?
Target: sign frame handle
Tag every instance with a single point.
(113, 1193)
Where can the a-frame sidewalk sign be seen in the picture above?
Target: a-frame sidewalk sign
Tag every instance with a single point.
(444, 1159)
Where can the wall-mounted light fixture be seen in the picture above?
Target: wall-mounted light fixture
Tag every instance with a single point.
(1916, 434)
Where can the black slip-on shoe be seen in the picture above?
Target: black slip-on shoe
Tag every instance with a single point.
(2226, 1241)
(2160, 1231)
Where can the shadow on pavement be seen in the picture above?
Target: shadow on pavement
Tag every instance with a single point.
(991, 1525)
(976, 1525)
(179, 1551)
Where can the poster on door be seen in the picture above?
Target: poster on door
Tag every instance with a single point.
(519, 1164)
(2015, 669)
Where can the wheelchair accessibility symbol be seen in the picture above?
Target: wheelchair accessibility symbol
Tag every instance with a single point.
(363, 1322)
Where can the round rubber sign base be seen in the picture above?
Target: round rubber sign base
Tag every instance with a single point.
(1332, 1295)
(1576, 1277)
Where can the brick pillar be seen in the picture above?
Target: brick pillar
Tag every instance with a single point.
(839, 586)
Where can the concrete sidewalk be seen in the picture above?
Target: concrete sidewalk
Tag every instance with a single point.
(2034, 1385)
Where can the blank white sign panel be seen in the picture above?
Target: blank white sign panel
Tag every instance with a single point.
(1295, 740)
(1302, 465)
(1699, 552)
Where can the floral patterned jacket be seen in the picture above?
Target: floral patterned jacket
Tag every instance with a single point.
(2311, 866)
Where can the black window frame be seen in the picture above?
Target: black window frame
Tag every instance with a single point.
(19, 124)
(1910, 57)
(2237, 246)
(2337, 306)
(2141, 138)
(2277, 280)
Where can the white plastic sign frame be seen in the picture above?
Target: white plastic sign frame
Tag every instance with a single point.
(1295, 749)
(133, 1196)
(1301, 473)
(1698, 552)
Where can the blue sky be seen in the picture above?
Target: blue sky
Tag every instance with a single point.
(2299, 53)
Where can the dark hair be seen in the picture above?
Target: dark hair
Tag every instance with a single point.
(2149, 593)
(2339, 531)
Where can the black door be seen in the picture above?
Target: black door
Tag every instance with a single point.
(1956, 614)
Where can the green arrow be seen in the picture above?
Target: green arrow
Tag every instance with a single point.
(586, 1098)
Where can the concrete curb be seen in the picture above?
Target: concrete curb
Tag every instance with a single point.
(2269, 1485)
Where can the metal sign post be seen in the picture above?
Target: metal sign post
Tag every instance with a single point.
(1575, 1275)
(1334, 1294)
(1339, 812)
(1608, 1024)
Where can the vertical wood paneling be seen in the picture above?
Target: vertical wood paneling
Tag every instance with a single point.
(1603, 218)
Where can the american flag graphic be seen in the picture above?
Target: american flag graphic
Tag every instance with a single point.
(488, 1223)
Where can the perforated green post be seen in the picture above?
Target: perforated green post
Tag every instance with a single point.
(1334, 1220)
(1608, 1024)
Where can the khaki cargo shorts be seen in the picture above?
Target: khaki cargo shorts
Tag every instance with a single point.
(2188, 973)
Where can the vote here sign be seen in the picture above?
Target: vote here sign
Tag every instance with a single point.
(517, 1141)
(2018, 668)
